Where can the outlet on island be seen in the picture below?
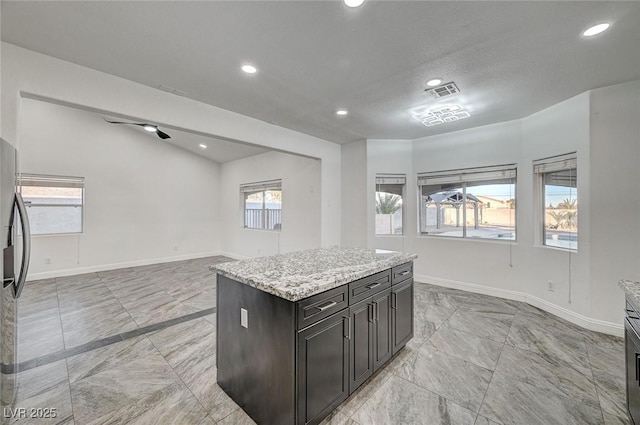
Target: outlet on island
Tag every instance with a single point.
(47, 260)
(550, 286)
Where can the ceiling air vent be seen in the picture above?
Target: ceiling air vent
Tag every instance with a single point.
(444, 90)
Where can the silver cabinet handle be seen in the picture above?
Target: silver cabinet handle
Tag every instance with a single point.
(327, 306)
(373, 285)
(405, 273)
(348, 322)
(26, 244)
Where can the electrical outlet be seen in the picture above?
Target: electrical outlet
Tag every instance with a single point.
(175, 247)
(551, 286)
(47, 260)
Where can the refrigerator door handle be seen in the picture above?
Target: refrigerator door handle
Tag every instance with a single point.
(26, 244)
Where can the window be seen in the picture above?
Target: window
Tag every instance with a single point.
(470, 203)
(559, 200)
(389, 192)
(54, 203)
(262, 205)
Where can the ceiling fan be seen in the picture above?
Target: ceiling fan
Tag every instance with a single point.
(151, 128)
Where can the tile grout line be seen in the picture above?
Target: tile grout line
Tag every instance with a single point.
(593, 377)
(118, 300)
(180, 377)
(73, 412)
(64, 344)
(103, 342)
(493, 372)
(66, 363)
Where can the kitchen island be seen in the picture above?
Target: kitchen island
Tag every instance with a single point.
(297, 333)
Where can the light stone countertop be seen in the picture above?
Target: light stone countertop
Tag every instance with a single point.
(301, 274)
(631, 291)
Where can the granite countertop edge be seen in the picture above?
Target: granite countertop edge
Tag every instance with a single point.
(315, 283)
(631, 290)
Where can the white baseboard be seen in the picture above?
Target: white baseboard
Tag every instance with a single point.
(234, 255)
(610, 328)
(113, 266)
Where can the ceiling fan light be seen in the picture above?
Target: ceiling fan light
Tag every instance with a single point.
(151, 128)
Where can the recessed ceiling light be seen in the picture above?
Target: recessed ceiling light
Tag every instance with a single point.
(342, 112)
(595, 30)
(202, 146)
(249, 69)
(434, 82)
(151, 128)
(353, 3)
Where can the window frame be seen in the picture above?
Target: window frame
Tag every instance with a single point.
(55, 181)
(390, 179)
(541, 168)
(247, 189)
(464, 176)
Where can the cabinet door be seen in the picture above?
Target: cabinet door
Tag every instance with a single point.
(401, 314)
(360, 356)
(382, 346)
(323, 367)
(632, 359)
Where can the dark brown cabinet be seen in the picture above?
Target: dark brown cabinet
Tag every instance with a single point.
(401, 314)
(382, 343)
(370, 344)
(323, 370)
(287, 362)
(361, 344)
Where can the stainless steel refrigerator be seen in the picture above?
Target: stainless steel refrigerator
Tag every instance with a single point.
(16, 248)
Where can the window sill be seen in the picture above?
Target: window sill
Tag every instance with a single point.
(513, 242)
(46, 235)
(262, 230)
(556, 248)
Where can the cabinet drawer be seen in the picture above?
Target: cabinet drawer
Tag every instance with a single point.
(366, 287)
(401, 273)
(322, 305)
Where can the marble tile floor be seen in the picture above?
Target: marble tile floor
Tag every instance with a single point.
(474, 360)
(69, 312)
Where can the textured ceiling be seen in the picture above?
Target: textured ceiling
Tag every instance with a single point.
(509, 59)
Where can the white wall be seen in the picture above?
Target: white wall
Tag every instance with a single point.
(301, 218)
(559, 129)
(145, 201)
(28, 72)
(602, 127)
(391, 157)
(615, 196)
(452, 260)
(354, 195)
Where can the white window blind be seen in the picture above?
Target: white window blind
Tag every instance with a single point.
(390, 183)
(555, 163)
(39, 180)
(498, 172)
(390, 179)
(261, 186)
